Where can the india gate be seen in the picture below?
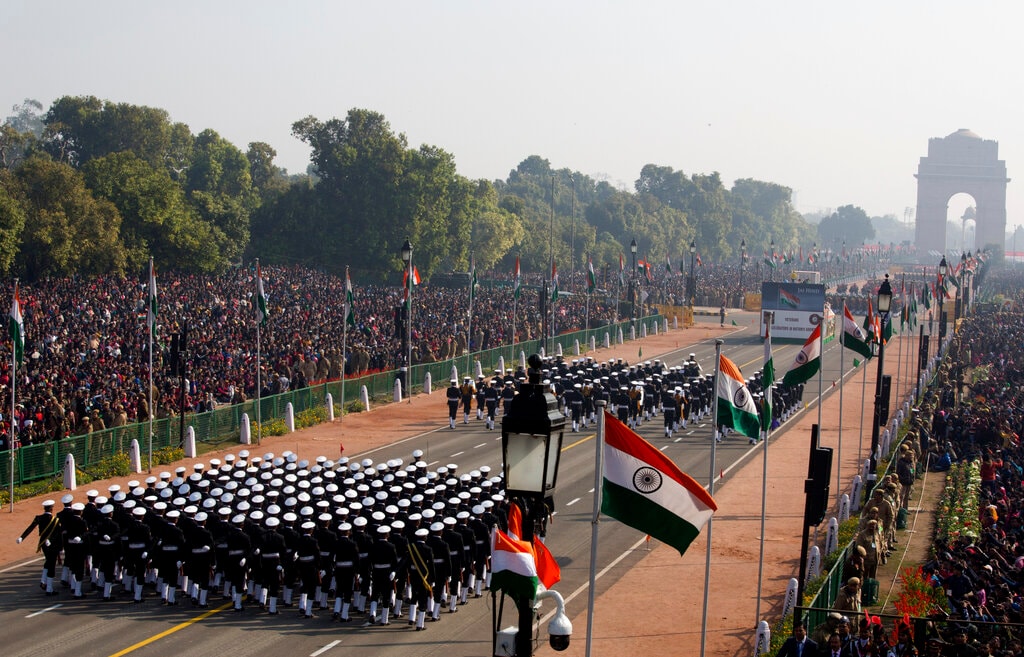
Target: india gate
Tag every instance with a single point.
(962, 162)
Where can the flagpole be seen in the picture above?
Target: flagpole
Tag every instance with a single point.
(14, 383)
(899, 353)
(344, 347)
(595, 524)
(821, 364)
(839, 439)
(711, 491)
(151, 321)
(259, 383)
(764, 474)
(469, 322)
(863, 396)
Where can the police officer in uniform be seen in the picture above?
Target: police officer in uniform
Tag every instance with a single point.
(49, 545)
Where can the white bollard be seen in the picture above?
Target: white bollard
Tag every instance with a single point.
(364, 397)
(576, 347)
(329, 403)
(455, 372)
(190, 442)
(865, 470)
(428, 383)
(607, 340)
(398, 390)
(70, 476)
(632, 332)
(763, 641)
(789, 602)
(479, 369)
(654, 328)
(289, 417)
(558, 349)
(501, 364)
(813, 562)
(522, 359)
(245, 434)
(844, 508)
(618, 336)
(135, 457)
(543, 351)
(592, 343)
(675, 321)
(643, 330)
(664, 326)
(832, 536)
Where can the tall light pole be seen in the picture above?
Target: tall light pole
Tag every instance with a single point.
(959, 308)
(632, 282)
(743, 259)
(771, 270)
(549, 332)
(884, 305)
(692, 292)
(572, 237)
(943, 268)
(407, 259)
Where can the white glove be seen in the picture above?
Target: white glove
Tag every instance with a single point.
(280, 569)
(391, 576)
(106, 538)
(241, 563)
(144, 555)
(322, 573)
(178, 564)
(256, 553)
(47, 543)
(18, 540)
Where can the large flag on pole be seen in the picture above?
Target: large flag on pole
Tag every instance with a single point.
(767, 379)
(853, 336)
(151, 305)
(350, 310)
(516, 280)
(591, 276)
(668, 265)
(472, 275)
(554, 282)
(807, 361)
(622, 270)
(17, 328)
(645, 490)
(261, 298)
(736, 408)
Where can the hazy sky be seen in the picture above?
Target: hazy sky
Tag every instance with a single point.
(835, 100)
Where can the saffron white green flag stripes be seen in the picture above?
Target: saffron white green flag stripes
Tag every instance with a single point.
(517, 281)
(645, 490)
(17, 328)
(151, 306)
(513, 566)
(554, 282)
(736, 408)
(350, 309)
(591, 276)
(854, 336)
(261, 298)
(767, 379)
(807, 361)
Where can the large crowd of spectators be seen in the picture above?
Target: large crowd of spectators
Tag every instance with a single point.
(86, 358)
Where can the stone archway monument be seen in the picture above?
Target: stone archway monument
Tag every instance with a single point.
(962, 162)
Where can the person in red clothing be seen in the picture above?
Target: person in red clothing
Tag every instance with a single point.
(990, 466)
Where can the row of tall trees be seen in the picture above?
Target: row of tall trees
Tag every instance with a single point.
(91, 186)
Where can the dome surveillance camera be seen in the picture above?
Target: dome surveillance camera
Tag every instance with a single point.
(560, 627)
(559, 642)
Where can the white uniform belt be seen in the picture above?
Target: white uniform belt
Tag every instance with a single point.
(343, 564)
(306, 559)
(272, 555)
(136, 546)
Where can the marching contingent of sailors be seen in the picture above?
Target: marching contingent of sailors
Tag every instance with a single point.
(353, 537)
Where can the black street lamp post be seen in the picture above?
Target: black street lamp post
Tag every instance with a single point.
(691, 291)
(884, 305)
(531, 443)
(743, 259)
(632, 283)
(771, 252)
(407, 259)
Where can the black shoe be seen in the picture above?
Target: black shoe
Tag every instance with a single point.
(335, 616)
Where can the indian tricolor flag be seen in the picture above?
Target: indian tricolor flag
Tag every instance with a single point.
(807, 361)
(516, 280)
(736, 408)
(262, 311)
(17, 328)
(591, 276)
(513, 566)
(854, 336)
(151, 303)
(788, 299)
(645, 490)
(350, 301)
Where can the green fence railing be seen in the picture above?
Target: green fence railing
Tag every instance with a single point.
(44, 460)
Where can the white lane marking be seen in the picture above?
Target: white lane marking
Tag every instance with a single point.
(431, 463)
(43, 611)
(663, 448)
(677, 439)
(479, 446)
(690, 432)
(457, 454)
(23, 563)
(571, 502)
(325, 648)
(591, 490)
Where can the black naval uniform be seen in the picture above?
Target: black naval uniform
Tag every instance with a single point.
(49, 531)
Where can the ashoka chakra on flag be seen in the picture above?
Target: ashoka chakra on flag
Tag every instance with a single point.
(647, 480)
